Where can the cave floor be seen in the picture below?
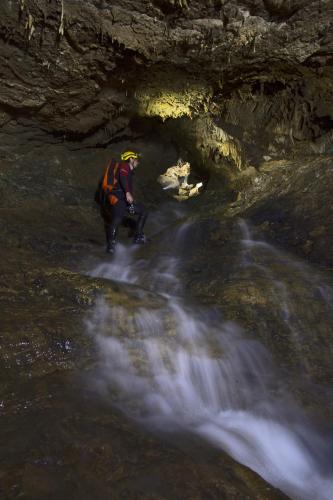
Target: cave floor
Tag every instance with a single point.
(60, 440)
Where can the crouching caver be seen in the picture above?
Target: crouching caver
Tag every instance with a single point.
(118, 203)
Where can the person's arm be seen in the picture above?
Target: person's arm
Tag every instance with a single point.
(124, 182)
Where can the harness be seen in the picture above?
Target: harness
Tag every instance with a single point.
(110, 185)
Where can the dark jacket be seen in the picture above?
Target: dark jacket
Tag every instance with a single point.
(124, 177)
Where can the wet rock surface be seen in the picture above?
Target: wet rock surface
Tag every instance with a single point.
(264, 290)
(290, 202)
(61, 439)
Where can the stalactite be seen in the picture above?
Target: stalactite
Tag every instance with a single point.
(62, 19)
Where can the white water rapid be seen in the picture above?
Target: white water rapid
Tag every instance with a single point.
(175, 366)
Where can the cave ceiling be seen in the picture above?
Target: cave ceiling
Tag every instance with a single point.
(79, 69)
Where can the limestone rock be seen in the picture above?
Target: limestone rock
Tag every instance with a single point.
(258, 72)
(175, 179)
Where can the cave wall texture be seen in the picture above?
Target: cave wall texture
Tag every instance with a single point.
(232, 80)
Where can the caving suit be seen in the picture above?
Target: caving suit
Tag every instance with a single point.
(117, 181)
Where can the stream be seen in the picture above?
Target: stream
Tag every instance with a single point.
(177, 365)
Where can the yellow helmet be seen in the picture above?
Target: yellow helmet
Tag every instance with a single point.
(129, 154)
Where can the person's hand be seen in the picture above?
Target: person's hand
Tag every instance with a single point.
(129, 198)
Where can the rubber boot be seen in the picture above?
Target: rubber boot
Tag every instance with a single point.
(139, 237)
(111, 244)
(141, 223)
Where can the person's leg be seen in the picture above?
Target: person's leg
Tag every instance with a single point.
(115, 215)
(106, 216)
(130, 224)
(111, 238)
(140, 210)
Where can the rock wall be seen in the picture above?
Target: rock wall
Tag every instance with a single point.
(257, 74)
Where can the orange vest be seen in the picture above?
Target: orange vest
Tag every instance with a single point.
(108, 187)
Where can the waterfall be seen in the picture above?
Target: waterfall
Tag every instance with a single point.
(178, 366)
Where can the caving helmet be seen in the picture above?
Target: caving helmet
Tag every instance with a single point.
(129, 154)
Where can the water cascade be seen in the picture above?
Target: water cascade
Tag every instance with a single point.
(179, 366)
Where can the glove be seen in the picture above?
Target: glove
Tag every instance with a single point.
(131, 209)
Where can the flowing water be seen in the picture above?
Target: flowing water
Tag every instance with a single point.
(175, 365)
